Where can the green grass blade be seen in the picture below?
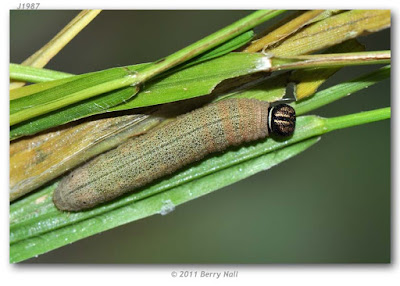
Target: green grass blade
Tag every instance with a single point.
(31, 90)
(195, 81)
(365, 117)
(27, 107)
(92, 106)
(32, 74)
(223, 49)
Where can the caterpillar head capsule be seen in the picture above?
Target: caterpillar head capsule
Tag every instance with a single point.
(281, 120)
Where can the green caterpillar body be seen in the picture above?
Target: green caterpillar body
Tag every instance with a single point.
(164, 150)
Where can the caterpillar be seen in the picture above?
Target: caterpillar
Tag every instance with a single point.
(160, 152)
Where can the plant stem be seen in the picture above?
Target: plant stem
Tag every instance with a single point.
(47, 52)
(330, 60)
(355, 119)
(35, 75)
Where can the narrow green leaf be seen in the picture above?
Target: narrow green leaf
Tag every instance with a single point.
(92, 106)
(218, 51)
(27, 107)
(40, 87)
(31, 74)
(195, 81)
(365, 117)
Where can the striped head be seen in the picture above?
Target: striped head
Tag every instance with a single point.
(281, 120)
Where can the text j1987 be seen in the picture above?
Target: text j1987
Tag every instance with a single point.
(28, 6)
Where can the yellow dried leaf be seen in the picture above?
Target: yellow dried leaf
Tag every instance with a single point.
(332, 31)
(283, 31)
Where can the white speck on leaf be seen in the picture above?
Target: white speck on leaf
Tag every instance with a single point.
(264, 63)
(167, 207)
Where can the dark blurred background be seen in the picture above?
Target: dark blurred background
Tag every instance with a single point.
(330, 204)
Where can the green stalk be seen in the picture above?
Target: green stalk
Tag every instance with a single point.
(33, 74)
(355, 119)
